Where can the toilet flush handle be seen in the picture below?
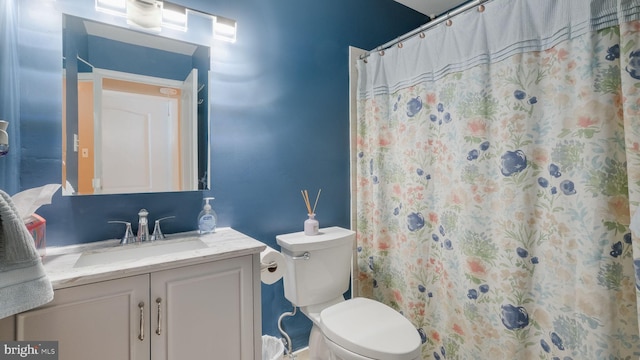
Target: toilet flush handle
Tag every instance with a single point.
(305, 256)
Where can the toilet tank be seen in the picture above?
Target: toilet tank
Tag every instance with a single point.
(325, 274)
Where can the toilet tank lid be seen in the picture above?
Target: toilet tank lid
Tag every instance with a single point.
(327, 237)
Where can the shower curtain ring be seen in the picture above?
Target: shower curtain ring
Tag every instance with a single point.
(422, 35)
(481, 8)
(381, 52)
(448, 22)
(400, 45)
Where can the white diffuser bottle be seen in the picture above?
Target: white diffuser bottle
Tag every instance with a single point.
(311, 225)
(207, 219)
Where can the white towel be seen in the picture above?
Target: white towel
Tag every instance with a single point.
(24, 284)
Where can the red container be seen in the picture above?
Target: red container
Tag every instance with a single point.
(36, 225)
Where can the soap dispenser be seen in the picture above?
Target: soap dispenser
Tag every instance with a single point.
(207, 219)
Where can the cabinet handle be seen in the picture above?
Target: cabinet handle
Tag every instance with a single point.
(141, 307)
(159, 329)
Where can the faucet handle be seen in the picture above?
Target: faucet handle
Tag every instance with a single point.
(128, 233)
(157, 232)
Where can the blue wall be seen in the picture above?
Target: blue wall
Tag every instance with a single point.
(280, 123)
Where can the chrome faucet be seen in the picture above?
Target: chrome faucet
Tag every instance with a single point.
(143, 229)
(143, 225)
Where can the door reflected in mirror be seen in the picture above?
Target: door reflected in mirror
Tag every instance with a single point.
(134, 108)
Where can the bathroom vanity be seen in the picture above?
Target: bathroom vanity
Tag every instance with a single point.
(187, 298)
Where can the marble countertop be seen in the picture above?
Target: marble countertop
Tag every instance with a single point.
(65, 267)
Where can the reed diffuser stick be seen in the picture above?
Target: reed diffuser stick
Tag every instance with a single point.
(305, 196)
(316, 203)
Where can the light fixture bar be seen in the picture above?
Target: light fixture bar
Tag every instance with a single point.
(152, 15)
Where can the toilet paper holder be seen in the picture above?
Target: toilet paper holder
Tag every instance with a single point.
(270, 267)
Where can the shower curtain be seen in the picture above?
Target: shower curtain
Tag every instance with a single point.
(497, 168)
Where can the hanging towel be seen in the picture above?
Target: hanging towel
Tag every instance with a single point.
(24, 283)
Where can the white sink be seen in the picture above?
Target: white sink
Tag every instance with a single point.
(131, 252)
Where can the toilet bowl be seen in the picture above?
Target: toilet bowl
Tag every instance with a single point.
(317, 275)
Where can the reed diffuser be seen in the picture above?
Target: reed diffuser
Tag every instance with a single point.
(311, 225)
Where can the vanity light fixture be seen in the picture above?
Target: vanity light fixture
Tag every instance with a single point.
(224, 29)
(152, 15)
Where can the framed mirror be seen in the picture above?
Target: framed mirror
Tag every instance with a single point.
(135, 110)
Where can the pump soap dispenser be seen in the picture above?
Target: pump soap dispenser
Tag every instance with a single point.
(207, 219)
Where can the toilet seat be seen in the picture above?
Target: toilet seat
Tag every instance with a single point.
(370, 329)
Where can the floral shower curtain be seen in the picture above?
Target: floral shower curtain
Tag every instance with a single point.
(498, 165)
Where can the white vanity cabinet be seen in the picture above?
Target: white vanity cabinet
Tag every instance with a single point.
(94, 321)
(206, 312)
(202, 311)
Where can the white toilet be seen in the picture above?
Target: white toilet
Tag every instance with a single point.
(317, 274)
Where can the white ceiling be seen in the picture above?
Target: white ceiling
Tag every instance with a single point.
(432, 7)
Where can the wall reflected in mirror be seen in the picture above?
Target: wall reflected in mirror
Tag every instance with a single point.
(135, 111)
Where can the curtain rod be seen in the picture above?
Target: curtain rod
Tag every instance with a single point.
(424, 27)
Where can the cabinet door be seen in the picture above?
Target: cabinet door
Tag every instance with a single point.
(206, 311)
(99, 321)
